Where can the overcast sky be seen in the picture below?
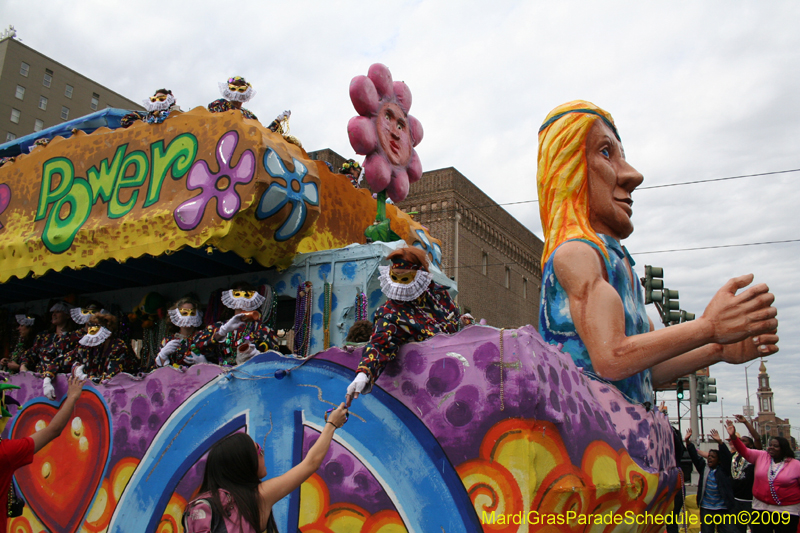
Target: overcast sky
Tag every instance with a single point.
(699, 90)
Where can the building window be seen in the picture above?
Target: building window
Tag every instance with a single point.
(64, 113)
(42, 103)
(38, 125)
(764, 404)
(10, 136)
(95, 101)
(763, 383)
(524, 288)
(15, 116)
(766, 429)
(20, 94)
(24, 68)
(485, 264)
(48, 78)
(68, 91)
(508, 278)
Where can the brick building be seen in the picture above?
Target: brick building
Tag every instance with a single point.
(768, 424)
(37, 92)
(495, 260)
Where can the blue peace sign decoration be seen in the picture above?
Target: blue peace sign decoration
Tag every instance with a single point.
(386, 437)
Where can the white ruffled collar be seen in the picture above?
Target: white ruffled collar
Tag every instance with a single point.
(95, 340)
(185, 321)
(236, 96)
(248, 304)
(399, 291)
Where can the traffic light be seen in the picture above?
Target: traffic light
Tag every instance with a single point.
(686, 317)
(679, 389)
(670, 307)
(653, 284)
(711, 389)
(706, 390)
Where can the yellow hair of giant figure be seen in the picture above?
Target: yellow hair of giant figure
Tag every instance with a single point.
(561, 176)
(5, 415)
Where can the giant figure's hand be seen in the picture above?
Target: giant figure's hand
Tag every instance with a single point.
(737, 317)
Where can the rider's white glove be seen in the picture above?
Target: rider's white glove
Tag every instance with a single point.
(78, 372)
(360, 385)
(196, 358)
(48, 389)
(169, 348)
(233, 324)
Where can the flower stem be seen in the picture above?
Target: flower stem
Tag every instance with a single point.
(381, 215)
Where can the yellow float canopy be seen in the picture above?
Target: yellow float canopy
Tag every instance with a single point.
(199, 180)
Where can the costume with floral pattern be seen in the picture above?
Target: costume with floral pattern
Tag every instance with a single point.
(201, 342)
(47, 353)
(556, 325)
(101, 362)
(398, 322)
(258, 334)
(221, 105)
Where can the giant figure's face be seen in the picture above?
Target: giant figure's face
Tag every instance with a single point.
(611, 182)
(394, 134)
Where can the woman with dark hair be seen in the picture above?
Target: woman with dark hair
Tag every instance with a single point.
(417, 308)
(187, 341)
(232, 490)
(28, 327)
(776, 484)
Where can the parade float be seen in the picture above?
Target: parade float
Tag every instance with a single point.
(485, 430)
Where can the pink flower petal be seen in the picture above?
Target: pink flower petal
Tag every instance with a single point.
(364, 96)
(363, 137)
(398, 188)
(243, 172)
(403, 96)
(416, 129)
(377, 171)
(414, 167)
(382, 78)
(225, 147)
(200, 176)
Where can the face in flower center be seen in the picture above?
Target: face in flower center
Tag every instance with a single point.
(394, 134)
(402, 276)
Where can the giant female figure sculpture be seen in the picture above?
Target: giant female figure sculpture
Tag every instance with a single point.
(592, 302)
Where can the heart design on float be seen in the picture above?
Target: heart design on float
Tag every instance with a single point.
(61, 483)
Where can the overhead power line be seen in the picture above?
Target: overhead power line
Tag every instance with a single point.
(695, 182)
(714, 247)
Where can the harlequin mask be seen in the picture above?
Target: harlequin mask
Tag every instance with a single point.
(241, 299)
(24, 320)
(403, 285)
(236, 89)
(81, 315)
(186, 318)
(159, 102)
(403, 277)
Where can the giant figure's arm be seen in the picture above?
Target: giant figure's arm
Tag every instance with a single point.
(597, 310)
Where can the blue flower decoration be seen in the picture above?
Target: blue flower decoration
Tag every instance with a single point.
(296, 192)
(433, 249)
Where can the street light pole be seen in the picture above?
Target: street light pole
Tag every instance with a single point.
(747, 386)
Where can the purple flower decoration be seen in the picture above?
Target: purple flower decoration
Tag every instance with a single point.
(220, 185)
(5, 199)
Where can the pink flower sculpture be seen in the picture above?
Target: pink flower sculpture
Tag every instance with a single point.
(385, 132)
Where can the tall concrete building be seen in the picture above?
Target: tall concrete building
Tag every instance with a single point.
(493, 257)
(37, 92)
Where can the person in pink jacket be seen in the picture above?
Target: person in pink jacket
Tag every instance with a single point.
(776, 487)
